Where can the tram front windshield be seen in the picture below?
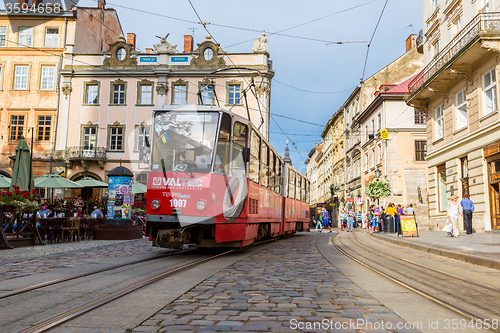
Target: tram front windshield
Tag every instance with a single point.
(184, 141)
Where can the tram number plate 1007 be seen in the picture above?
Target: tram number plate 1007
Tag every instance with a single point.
(178, 203)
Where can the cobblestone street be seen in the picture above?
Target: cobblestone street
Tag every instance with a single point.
(287, 286)
(25, 261)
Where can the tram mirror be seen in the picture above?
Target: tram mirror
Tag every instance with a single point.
(246, 154)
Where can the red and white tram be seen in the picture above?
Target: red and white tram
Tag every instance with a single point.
(214, 181)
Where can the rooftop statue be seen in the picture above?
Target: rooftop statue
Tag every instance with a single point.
(260, 44)
(164, 46)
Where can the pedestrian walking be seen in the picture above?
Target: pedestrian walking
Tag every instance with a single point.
(454, 212)
(325, 219)
(359, 220)
(467, 209)
(409, 210)
(364, 220)
(376, 215)
(343, 218)
(319, 222)
(350, 219)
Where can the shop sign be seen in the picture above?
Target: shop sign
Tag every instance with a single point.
(350, 199)
(359, 201)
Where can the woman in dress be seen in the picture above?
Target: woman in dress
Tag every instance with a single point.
(454, 212)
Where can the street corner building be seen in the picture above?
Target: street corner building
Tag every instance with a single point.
(458, 92)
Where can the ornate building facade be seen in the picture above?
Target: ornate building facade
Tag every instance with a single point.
(458, 92)
(106, 112)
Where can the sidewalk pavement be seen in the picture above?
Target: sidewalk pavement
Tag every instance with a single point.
(481, 249)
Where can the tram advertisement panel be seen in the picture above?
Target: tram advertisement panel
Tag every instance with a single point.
(408, 225)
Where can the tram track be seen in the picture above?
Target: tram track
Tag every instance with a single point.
(51, 322)
(74, 277)
(471, 300)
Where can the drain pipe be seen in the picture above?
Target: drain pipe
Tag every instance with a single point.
(58, 87)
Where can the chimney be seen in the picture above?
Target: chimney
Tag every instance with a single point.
(411, 42)
(37, 2)
(188, 43)
(21, 2)
(131, 37)
(101, 4)
(149, 50)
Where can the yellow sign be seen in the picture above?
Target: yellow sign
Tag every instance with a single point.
(384, 135)
(408, 225)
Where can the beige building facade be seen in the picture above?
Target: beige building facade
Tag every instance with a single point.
(32, 49)
(458, 91)
(401, 157)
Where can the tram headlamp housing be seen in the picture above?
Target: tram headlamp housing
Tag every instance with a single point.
(201, 205)
(155, 204)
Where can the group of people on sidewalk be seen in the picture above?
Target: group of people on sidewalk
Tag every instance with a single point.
(455, 210)
(373, 220)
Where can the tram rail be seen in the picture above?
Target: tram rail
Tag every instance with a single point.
(447, 290)
(46, 324)
(78, 276)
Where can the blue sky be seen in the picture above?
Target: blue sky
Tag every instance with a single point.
(322, 74)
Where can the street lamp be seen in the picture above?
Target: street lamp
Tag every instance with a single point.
(378, 173)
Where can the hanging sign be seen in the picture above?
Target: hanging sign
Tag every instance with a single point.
(408, 225)
(359, 201)
(384, 135)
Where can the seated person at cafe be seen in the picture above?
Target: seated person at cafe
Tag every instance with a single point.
(96, 213)
(51, 213)
(79, 212)
(43, 212)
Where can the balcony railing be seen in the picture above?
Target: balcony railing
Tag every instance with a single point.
(85, 153)
(482, 22)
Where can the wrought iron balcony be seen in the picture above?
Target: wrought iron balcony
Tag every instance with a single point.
(483, 22)
(85, 153)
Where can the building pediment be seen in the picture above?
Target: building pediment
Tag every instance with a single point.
(208, 55)
(120, 54)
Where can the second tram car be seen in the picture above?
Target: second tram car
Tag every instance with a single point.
(214, 181)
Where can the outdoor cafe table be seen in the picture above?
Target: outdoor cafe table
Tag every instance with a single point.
(53, 229)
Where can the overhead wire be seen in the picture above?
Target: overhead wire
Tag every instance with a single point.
(371, 39)
(258, 101)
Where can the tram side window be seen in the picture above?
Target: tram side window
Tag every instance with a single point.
(272, 168)
(254, 157)
(264, 169)
(298, 186)
(222, 153)
(308, 188)
(279, 176)
(303, 189)
(291, 184)
(240, 135)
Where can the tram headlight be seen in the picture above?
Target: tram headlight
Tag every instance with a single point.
(155, 204)
(200, 205)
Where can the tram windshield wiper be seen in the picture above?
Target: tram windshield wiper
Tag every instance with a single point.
(188, 168)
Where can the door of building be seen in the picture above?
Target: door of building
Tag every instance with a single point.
(495, 206)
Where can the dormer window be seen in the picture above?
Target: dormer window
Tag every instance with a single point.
(208, 54)
(121, 54)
